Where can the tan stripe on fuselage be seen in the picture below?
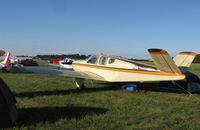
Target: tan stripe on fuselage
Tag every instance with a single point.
(127, 70)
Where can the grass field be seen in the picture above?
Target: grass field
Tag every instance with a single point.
(53, 102)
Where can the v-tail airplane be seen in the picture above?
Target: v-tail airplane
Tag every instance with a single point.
(116, 69)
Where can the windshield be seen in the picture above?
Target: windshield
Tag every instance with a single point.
(92, 59)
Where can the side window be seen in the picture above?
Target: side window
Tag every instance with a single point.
(111, 61)
(92, 60)
(102, 60)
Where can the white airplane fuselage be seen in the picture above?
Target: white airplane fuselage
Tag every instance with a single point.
(66, 63)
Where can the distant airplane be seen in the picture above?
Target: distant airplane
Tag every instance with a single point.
(4, 64)
(117, 69)
(66, 63)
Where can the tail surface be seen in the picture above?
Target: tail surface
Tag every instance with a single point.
(6, 60)
(163, 61)
(184, 59)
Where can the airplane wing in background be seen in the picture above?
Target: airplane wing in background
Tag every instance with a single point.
(69, 73)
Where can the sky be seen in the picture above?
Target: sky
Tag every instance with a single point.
(117, 27)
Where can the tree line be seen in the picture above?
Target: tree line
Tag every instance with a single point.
(197, 59)
(72, 56)
(82, 56)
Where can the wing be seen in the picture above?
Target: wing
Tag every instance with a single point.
(69, 73)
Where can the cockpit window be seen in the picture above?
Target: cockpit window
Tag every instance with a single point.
(111, 61)
(67, 61)
(102, 60)
(92, 60)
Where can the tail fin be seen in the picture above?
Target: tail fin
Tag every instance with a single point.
(6, 60)
(163, 61)
(184, 59)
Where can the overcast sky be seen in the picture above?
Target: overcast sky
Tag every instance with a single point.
(118, 27)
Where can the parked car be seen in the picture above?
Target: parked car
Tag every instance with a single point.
(28, 62)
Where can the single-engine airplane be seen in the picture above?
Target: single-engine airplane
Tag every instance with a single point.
(4, 64)
(117, 69)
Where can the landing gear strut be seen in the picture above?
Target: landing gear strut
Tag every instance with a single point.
(79, 83)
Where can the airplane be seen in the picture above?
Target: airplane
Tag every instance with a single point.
(4, 64)
(121, 70)
(66, 63)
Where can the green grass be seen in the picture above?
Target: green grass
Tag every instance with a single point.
(53, 102)
(195, 68)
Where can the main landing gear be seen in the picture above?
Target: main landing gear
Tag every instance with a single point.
(79, 83)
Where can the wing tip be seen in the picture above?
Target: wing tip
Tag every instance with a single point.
(157, 51)
(188, 53)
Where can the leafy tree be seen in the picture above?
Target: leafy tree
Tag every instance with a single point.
(197, 59)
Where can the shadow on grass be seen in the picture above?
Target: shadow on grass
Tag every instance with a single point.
(167, 87)
(108, 87)
(31, 116)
